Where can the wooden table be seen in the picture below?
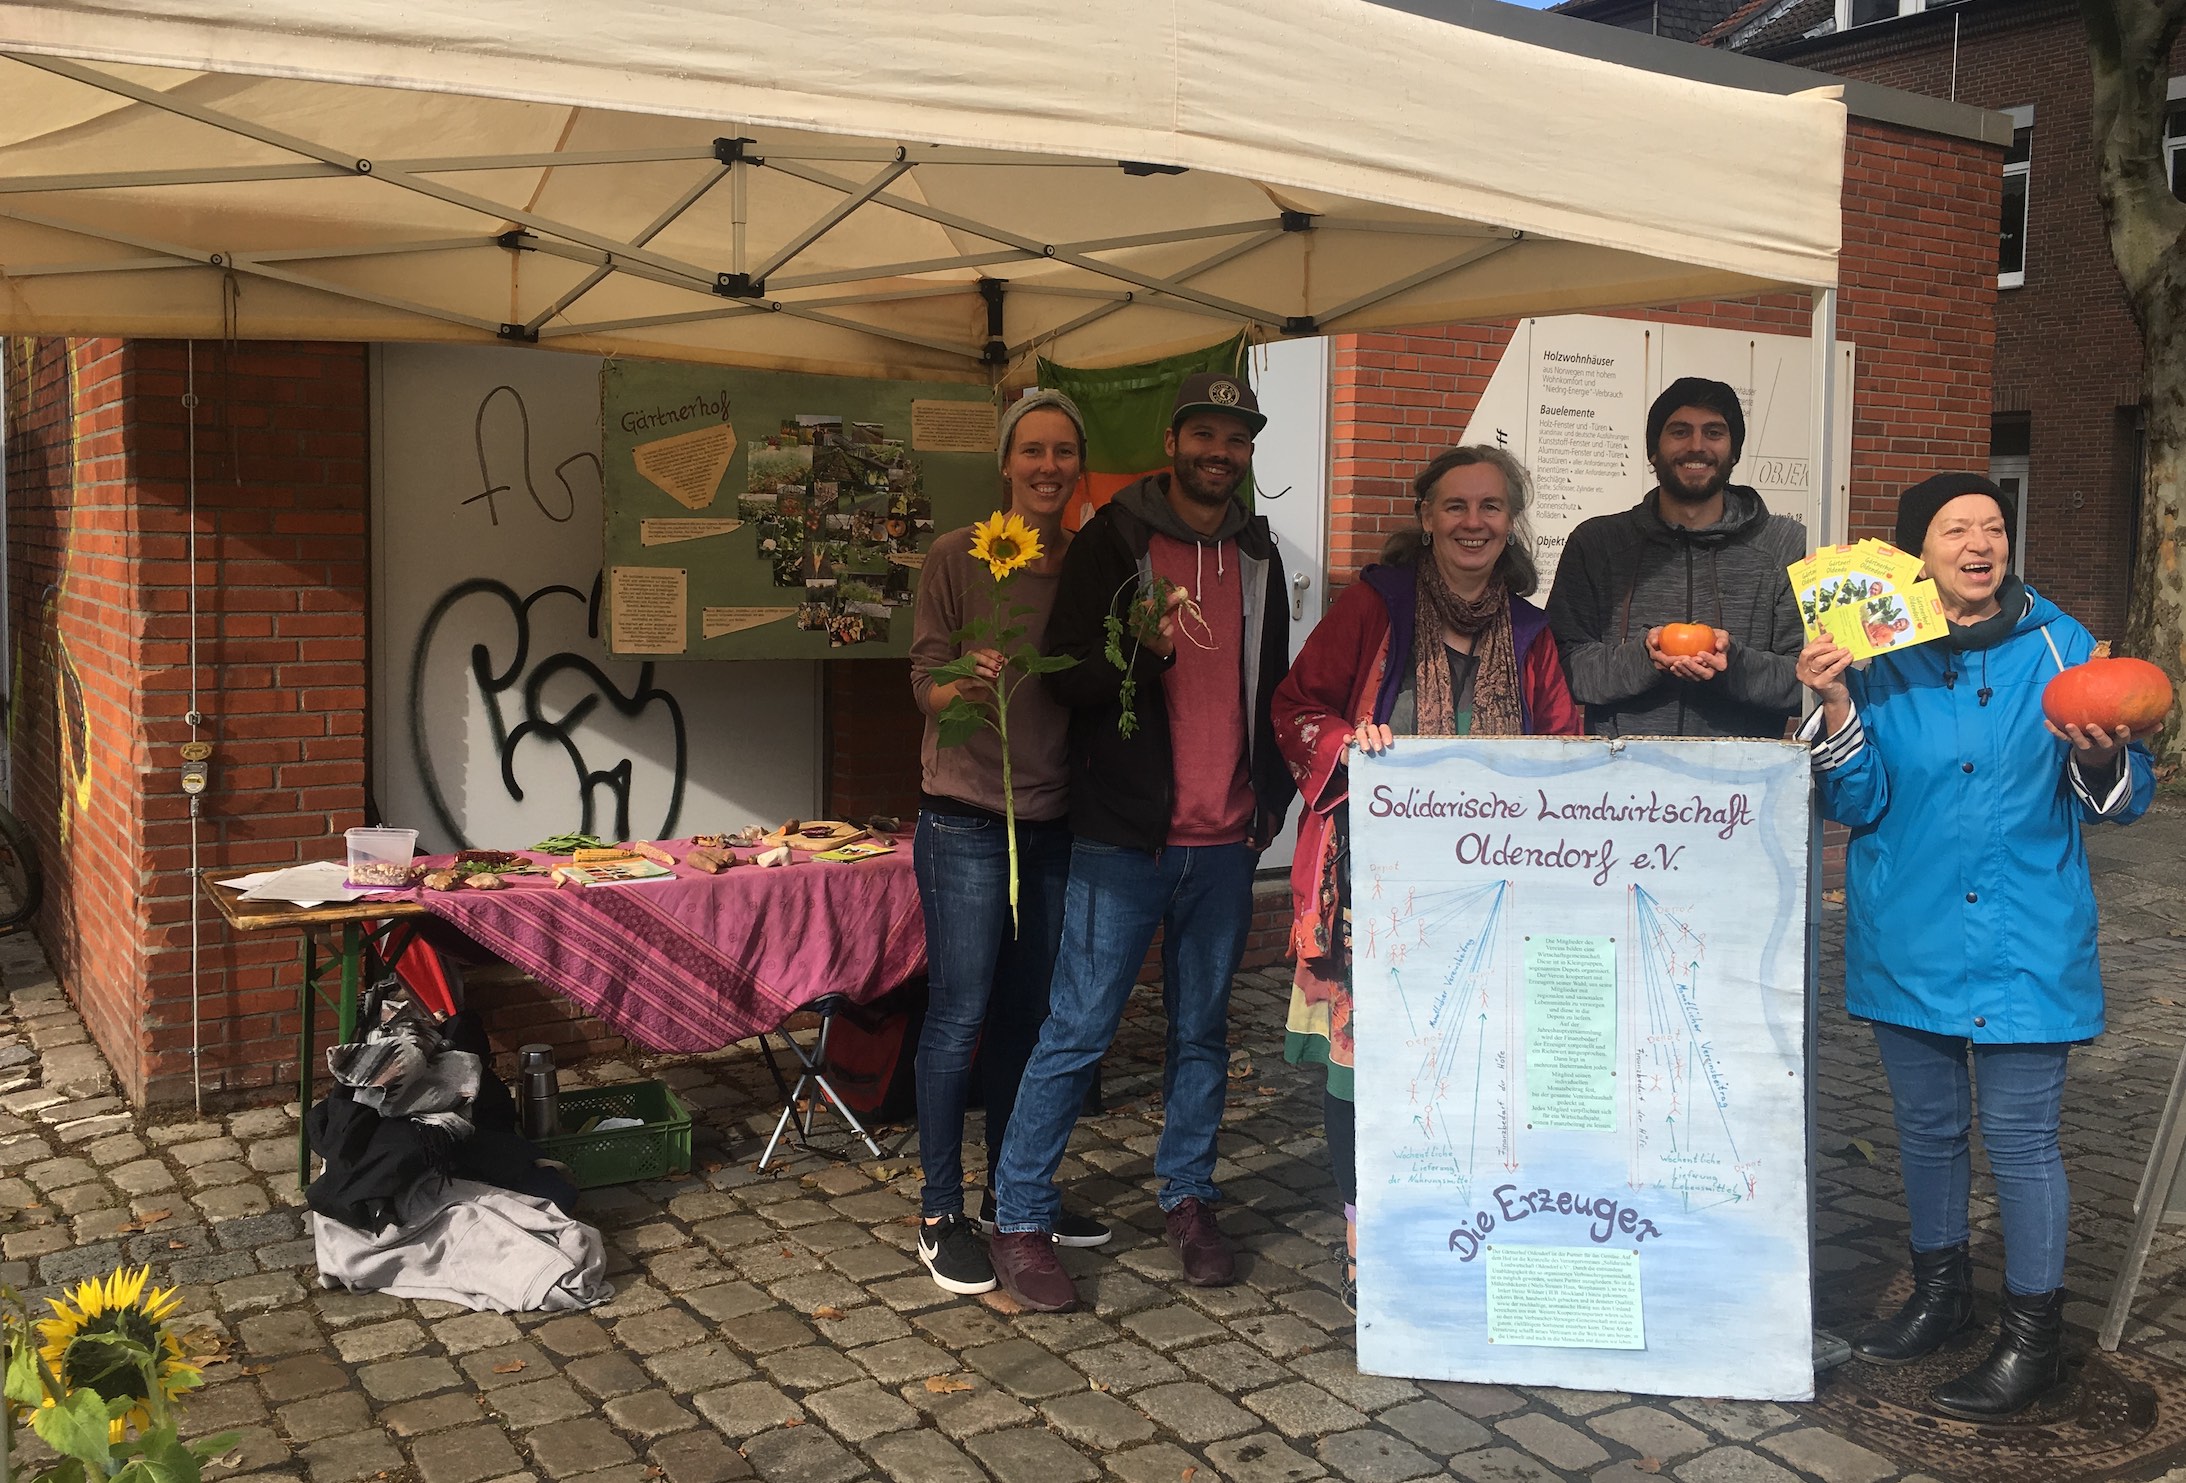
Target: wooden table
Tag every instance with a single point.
(369, 928)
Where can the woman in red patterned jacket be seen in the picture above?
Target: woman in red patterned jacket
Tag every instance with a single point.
(1437, 640)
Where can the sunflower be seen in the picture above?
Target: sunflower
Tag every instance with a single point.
(118, 1305)
(1005, 543)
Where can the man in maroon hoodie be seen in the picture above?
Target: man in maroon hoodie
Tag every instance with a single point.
(1168, 817)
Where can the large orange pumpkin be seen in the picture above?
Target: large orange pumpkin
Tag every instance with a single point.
(2109, 693)
(1686, 639)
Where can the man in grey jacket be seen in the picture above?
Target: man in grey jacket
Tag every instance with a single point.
(1697, 549)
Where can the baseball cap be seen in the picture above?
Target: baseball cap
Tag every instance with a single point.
(1218, 391)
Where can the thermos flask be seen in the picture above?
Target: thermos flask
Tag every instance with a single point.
(538, 1091)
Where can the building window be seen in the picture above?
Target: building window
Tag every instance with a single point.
(2174, 147)
(2010, 442)
(2011, 236)
(1852, 13)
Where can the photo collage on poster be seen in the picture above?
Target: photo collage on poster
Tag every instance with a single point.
(840, 510)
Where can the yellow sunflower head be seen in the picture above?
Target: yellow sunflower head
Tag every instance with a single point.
(1005, 543)
(118, 1305)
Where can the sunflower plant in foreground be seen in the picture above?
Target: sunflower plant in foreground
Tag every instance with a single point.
(100, 1381)
(1007, 545)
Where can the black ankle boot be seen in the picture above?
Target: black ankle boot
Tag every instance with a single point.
(2029, 1358)
(1941, 1307)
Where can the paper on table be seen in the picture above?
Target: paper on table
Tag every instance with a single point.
(1571, 1033)
(1564, 1297)
(305, 885)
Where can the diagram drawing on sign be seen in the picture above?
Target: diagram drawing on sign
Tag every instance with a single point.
(1459, 1023)
(1684, 1135)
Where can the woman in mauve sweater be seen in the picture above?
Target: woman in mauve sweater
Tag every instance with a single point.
(987, 985)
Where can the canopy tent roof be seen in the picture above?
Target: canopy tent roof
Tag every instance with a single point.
(879, 187)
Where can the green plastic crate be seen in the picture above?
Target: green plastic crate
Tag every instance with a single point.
(622, 1155)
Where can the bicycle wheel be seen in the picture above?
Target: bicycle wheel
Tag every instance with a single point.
(21, 881)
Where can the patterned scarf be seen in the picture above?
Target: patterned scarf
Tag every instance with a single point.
(1496, 709)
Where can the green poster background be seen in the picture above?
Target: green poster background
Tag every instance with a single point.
(836, 517)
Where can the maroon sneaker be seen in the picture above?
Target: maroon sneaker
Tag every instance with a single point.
(1202, 1248)
(1025, 1264)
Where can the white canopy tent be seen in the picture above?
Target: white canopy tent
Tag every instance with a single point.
(932, 188)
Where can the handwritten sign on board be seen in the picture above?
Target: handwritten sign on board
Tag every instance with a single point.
(1581, 1063)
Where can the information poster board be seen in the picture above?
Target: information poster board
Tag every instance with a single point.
(1579, 982)
(763, 515)
(1569, 399)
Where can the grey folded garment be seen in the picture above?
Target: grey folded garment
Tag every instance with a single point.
(398, 1074)
(473, 1244)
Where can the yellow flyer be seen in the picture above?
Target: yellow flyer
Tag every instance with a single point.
(1890, 620)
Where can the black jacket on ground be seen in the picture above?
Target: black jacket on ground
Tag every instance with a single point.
(1123, 788)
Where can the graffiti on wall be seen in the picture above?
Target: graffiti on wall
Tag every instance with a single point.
(500, 716)
(520, 682)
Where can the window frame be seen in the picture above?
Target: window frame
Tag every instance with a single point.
(2004, 468)
(1905, 8)
(2174, 106)
(2022, 117)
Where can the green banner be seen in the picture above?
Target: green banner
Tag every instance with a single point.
(1127, 416)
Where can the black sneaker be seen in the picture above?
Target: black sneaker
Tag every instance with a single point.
(1071, 1228)
(955, 1255)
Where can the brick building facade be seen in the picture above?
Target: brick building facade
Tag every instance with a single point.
(2067, 380)
(99, 582)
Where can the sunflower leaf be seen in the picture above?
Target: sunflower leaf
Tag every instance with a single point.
(76, 1426)
(963, 667)
(25, 1386)
(1047, 664)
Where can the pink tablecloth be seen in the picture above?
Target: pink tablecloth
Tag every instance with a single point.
(700, 962)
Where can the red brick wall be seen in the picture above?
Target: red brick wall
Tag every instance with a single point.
(99, 581)
(1917, 282)
(2067, 353)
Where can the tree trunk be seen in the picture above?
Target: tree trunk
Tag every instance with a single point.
(2129, 48)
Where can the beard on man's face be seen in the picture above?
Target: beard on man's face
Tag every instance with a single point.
(1208, 481)
(1692, 483)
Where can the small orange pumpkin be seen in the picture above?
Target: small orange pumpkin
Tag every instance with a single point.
(2109, 693)
(1684, 639)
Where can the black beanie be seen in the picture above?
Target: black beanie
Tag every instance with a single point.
(1918, 506)
(1696, 391)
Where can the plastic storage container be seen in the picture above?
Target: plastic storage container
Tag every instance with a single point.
(622, 1155)
(380, 857)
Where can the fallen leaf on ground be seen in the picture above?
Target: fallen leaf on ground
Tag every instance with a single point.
(1267, 1091)
(1097, 1385)
(207, 1346)
(788, 1251)
(1858, 1148)
(178, 1246)
(947, 1384)
(794, 1421)
(1186, 1475)
(1649, 1464)
(827, 1311)
(145, 1221)
(508, 1367)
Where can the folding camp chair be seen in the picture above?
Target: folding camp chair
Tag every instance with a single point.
(798, 1102)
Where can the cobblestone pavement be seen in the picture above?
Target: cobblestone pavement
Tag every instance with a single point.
(778, 1326)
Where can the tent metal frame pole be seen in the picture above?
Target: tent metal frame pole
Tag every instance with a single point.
(1331, 320)
(798, 311)
(392, 175)
(243, 263)
(651, 321)
(1828, 1347)
(1227, 307)
(1269, 227)
(830, 219)
(654, 228)
(1228, 254)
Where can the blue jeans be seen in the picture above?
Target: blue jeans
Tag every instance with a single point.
(2022, 1097)
(1201, 896)
(986, 988)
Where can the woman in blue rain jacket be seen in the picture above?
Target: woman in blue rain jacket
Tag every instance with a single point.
(1970, 931)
